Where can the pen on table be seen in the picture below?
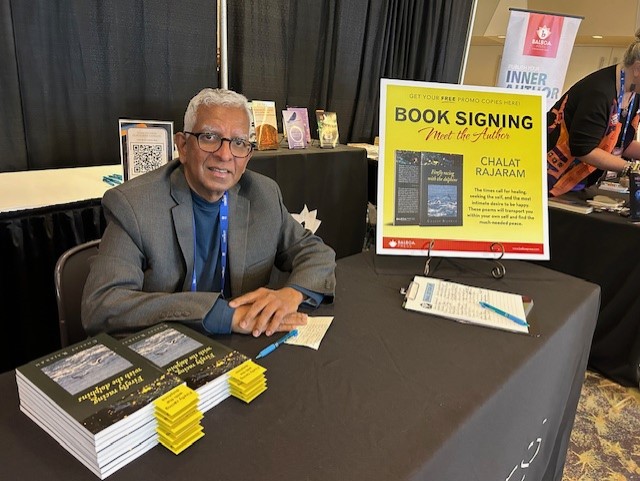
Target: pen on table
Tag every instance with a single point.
(115, 177)
(511, 317)
(275, 345)
(112, 179)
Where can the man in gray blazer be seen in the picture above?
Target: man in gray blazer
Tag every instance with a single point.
(195, 241)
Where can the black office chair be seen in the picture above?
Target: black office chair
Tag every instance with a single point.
(70, 274)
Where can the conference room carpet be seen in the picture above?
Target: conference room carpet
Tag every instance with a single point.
(605, 441)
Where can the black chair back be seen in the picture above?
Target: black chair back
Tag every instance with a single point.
(70, 274)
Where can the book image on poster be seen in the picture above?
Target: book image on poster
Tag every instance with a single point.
(145, 145)
(428, 188)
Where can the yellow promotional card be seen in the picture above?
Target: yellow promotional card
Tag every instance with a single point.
(184, 444)
(246, 372)
(462, 171)
(176, 402)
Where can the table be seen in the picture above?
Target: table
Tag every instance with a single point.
(331, 181)
(390, 394)
(604, 248)
(64, 210)
(43, 188)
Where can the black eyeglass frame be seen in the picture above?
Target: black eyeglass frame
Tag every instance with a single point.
(222, 139)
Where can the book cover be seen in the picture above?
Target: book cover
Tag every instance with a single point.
(303, 113)
(428, 188)
(407, 188)
(252, 126)
(199, 360)
(266, 124)
(327, 129)
(145, 145)
(440, 189)
(294, 129)
(96, 399)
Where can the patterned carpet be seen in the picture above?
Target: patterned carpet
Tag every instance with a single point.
(605, 441)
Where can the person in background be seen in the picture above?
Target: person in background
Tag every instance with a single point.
(592, 127)
(195, 240)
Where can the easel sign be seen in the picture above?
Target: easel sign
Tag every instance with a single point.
(462, 169)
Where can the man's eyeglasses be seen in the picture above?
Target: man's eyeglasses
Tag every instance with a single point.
(210, 142)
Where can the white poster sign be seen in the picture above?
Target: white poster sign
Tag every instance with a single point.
(537, 51)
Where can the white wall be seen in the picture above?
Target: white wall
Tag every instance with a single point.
(483, 63)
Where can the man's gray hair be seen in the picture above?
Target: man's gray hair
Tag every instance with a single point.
(217, 97)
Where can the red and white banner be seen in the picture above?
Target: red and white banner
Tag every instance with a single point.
(537, 51)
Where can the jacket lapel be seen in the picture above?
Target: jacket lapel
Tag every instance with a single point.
(182, 214)
(238, 231)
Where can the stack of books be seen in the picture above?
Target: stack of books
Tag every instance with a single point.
(201, 362)
(572, 205)
(95, 399)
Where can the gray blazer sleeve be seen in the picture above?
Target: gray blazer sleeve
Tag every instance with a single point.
(136, 282)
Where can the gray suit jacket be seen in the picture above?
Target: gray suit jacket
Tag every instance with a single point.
(142, 274)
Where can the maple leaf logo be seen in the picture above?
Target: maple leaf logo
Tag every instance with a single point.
(308, 219)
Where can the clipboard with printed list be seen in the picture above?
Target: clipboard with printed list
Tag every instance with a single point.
(463, 303)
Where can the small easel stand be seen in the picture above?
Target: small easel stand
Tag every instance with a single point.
(498, 271)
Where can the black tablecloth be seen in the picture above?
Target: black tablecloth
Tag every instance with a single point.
(30, 243)
(604, 248)
(390, 394)
(333, 181)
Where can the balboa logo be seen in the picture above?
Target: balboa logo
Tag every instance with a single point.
(543, 32)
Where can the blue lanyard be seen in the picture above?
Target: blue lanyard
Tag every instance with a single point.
(628, 119)
(224, 228)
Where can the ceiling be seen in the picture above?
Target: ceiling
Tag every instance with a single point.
(615, 20)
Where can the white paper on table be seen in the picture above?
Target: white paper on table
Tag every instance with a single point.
(311, 334)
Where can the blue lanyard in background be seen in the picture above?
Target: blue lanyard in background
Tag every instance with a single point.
(224, 228)
(628, 119)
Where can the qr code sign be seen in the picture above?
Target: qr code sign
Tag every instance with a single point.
(146, 157)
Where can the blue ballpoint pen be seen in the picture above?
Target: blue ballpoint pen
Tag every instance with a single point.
(116, 178)
(110, 181)
(275, 345)
(511, 317)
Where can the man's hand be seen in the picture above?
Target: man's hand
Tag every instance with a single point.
(266, 310)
